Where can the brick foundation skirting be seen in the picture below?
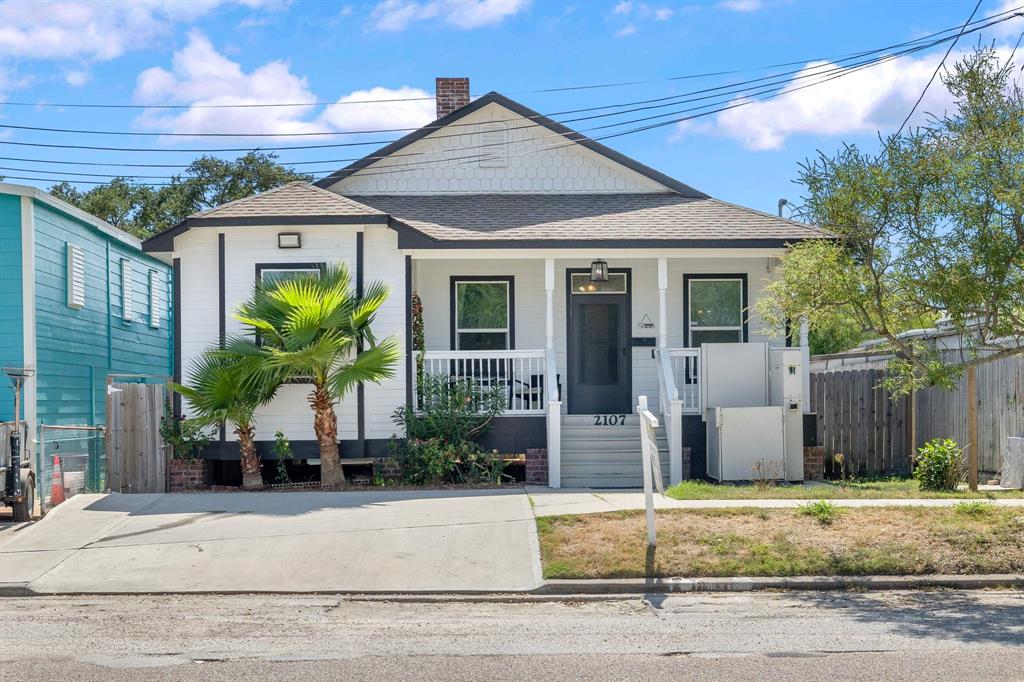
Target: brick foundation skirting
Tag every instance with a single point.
(536, 466)
(814, 463)
(188, 474)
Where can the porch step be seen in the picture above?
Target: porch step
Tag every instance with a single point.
(605, 456)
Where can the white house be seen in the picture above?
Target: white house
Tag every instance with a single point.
(499, 218)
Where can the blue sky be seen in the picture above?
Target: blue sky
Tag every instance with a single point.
(267, 51)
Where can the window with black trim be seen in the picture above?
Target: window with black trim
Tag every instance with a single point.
(482, 313)
(269, 273)
(715, 309)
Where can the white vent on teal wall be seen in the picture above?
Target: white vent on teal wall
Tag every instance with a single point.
(127, 289)
(155, 304)
(76, 276)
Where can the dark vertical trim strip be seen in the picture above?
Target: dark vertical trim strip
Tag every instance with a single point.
(742, 276)
(176, 311)
(360, 387)
(221, 297)
(408, 330)
(222, 310)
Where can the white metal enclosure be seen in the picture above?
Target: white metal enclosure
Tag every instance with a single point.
(740, 439)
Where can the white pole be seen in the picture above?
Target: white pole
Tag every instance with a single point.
(549, 302)
(663, 304)
(645, 454)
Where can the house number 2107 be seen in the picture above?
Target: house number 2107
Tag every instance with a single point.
(609, 420)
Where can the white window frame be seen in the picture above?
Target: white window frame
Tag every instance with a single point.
(689, 298)
(76, 276)
(155, 301)
(493, 145)
(302, 268)
(507, 329)
(127, 290)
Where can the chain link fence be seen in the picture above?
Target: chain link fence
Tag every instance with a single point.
(69, 460)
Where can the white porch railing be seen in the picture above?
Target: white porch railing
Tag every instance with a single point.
(672, 409)
(685, 365)
(524, 375)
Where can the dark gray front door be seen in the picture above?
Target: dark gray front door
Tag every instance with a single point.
(599, 361)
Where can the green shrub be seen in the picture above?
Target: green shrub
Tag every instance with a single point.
(186, 437)
(435, 461)
(824, 511)
(940, 465)
(283, 453)
(456, 411)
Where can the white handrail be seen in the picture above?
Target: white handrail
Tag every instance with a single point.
(553, 419)
(521, 374)
(551, 376)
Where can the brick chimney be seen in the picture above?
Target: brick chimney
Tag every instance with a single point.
(451, 94)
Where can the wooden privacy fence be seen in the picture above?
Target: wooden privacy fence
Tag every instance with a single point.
(136, 461)
(860, 420)
(872, 430)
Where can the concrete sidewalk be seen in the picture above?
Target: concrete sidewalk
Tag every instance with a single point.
(558, 502)
(408, 541)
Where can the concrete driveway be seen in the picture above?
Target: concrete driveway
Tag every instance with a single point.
(413, 541)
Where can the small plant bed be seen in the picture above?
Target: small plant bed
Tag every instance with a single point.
(815, 539)
(879, 488)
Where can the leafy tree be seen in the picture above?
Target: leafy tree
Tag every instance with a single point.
(226, 388)
(930, 227)
(311, 328)
(144, 211)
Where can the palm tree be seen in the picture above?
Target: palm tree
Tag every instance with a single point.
(313, 328)
(227, 388)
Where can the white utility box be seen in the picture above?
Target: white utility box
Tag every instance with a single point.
(785, 388)
(745, 443)
(734, 374)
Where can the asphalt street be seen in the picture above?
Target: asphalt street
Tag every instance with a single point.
(799, 635)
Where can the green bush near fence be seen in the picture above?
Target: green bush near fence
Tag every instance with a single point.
(940, 465)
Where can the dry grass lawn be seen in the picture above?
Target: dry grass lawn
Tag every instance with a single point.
(879, 488)
(970, 538)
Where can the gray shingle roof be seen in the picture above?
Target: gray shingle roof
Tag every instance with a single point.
(294, 199)
(584, 217)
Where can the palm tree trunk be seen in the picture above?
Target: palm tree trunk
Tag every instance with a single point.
(252, 475)
(325, 424)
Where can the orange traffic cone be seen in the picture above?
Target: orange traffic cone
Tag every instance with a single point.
(57, 489)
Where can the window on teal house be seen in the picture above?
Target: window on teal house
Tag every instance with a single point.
(76, 276)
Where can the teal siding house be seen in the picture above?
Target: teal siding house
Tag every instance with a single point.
(78, 300)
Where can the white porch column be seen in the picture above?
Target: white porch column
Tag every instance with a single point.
(553, 413)
(663, 303)
(549, 302)
(805, 360)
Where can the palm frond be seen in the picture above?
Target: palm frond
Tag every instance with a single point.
(372, 365)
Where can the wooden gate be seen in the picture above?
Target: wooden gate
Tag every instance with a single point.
(136, 457)
(860, 420)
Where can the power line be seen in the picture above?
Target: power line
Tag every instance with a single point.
(676, 99)
(778, 89)
(936, 72)
(667, 101)
(569, 88)
(398, 168)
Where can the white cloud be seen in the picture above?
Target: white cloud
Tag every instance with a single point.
(741, 5)
(1008, 29)
(397, 15)
(663, 13)
(624, 7)
(98, 31)
(864, 101)
(202, 76)
(627, 30)
(382, 116)
(634, 14)
(77, 78)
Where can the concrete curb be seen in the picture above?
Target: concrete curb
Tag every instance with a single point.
(869, 582)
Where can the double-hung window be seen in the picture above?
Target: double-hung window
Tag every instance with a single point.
(716, 309)
(482, 313)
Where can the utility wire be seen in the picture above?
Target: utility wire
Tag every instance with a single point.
(569, 88)
(675, 100)
(667, 100)
(937, 68)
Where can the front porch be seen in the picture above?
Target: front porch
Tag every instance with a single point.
(557, 344)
